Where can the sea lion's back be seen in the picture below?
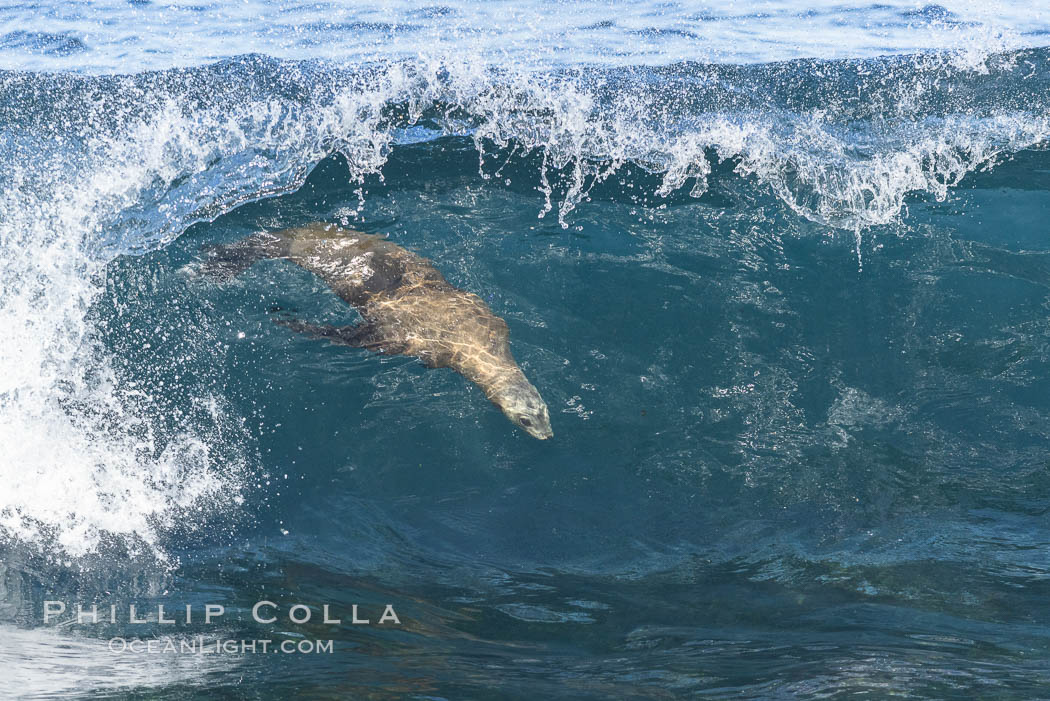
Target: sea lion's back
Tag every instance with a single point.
(358, 266)
(384, 280)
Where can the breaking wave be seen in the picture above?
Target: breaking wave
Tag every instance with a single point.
(95, 167)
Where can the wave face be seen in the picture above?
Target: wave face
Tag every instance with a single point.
(789, 316)
(131, 162)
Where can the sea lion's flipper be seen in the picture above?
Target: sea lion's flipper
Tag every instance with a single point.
(226, 261)
(359, 336)
(433, 360)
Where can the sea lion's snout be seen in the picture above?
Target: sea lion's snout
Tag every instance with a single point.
(538, 425)
(523, 405)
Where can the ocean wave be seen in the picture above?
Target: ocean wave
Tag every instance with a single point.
(96, 167)
(840, 142)
(43, 42)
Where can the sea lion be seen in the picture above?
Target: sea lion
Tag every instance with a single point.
(407, 305)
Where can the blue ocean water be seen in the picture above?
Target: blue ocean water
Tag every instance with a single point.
(781, 272)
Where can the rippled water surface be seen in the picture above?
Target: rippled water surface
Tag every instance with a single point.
(780, 272)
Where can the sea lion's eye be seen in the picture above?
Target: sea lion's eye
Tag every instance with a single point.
(526, 423)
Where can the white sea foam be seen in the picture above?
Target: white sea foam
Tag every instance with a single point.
(48, 664)
(80, 460)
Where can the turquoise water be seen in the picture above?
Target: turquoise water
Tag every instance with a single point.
(790, 319)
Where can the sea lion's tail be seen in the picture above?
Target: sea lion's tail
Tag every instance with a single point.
(223, 262)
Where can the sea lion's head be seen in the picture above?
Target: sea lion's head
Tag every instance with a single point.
(525, 407)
